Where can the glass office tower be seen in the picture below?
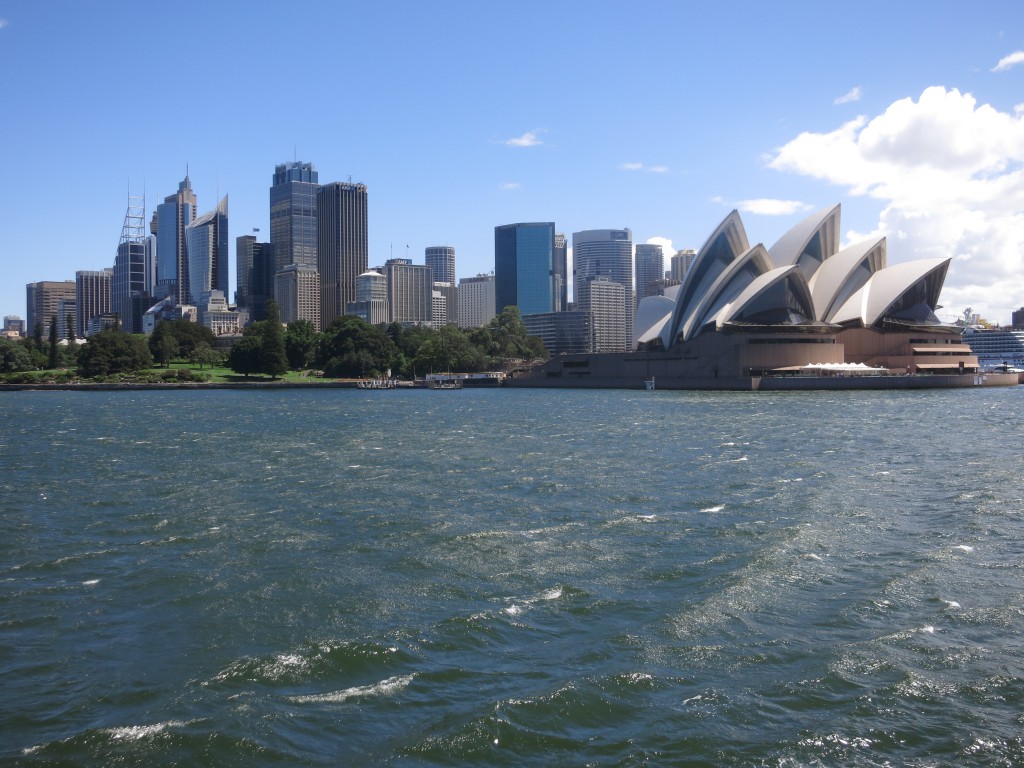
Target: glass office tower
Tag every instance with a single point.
(293, 214)
(524, 267)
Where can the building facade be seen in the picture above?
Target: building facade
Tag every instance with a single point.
(42, 300)
(207, 244)
(297, 289)
(342, 245)
(680, 264)
(254, 275)
(170, 220)
(562, 332)
(650, 270)
(561, 269)
(410, 292)
(441, 260)
(293, 215)
(476, 301)
(605, 301)
(92, 296)
(524, 267)
(608, 254)
(14, 326)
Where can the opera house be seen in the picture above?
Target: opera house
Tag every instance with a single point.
(801, 314)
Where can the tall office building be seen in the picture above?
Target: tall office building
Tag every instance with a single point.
(450, 292)
(67, 309)
(441, 259)
(371, 302)
(342, 245)
(524, 267)
(92, 297)
(605, 253)
(561, 268)
(297, 290)
(13, 326)
(681, 262)
(132, 279)
(207, 239)
(476, 301)
(650, 270)
(42, 301)
(293, 215)
(170, 219)
(254, 275)
(605, 301)
(410, 292)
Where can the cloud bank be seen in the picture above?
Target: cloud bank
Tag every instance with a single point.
(950, 176)
(642, 167)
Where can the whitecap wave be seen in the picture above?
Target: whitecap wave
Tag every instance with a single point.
(386, 687)
(138, 732)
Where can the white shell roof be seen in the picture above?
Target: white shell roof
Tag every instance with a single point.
(870, 303)
(787, 249)
(832, 277)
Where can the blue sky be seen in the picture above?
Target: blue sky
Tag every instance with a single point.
(460, 116)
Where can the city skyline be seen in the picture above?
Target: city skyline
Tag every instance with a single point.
(920, 141)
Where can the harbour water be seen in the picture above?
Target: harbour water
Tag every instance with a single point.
(512, 578)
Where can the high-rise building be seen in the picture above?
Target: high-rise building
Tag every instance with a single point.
(450, 292)
(67, 310)
(293, 215)
(171, 218)
(42, 300)
(13, 326)
(207, 239)
(254, 275)
(371, 302)
(92, 296)
(410, 292)
(605, 253)
(605, 301)
(524, 267)
(561, 268)
(342, 245)
(132, 279)
(650, 270)
(476, 301)
(681, 262)
(297, 289)
(441, 259)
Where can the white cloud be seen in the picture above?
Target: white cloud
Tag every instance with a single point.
(853, 94)
(1015, 58)
(642, 167)
(949, 176)
(768, 207)
(667, 249)
(511, 185)
(528, 139)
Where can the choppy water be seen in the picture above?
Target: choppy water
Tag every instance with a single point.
(517, 578)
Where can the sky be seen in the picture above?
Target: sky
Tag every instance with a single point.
(460, 116)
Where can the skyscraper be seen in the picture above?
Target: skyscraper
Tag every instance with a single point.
(172, 216)
(129, 291)
(297, 289)
(410, 292)
(254, 275)
(476, 301)
(561, 265)
(524, 268)
(293, 214)
(342, 245)
(441, 260)
(650, 270)
(207, 239)
(92, 297)
(42, 302)
(606, 253)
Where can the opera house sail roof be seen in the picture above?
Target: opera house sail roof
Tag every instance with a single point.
(804, 280)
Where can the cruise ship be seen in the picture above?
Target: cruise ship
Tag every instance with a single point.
(996, 347)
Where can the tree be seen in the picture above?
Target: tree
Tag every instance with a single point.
(111, 351)
(163, 344)
(273, 358)
(54, 351)
(300, 342)
(246, 353)
(14, 356)
(69, 321)
(37, 335)
(204, 354)
(348, 335)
